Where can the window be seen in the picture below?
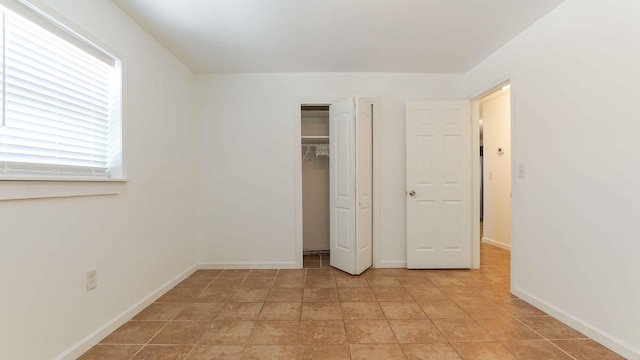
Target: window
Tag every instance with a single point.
(60, 99)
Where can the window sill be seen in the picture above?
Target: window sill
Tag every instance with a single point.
(47, 188)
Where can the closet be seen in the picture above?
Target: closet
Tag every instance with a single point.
(315, 178)
(337, 185)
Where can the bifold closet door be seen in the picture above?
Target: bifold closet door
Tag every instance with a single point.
(350, 185)
(364, 187)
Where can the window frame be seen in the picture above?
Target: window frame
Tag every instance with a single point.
(45, 17)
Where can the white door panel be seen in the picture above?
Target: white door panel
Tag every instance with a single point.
(438, 184)
(351, 218)
(364, 189)
(342, 166)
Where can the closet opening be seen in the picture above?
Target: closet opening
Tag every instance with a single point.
(314, 129)
(337, 209)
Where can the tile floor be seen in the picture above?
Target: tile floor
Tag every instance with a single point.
(322, 313)
(321, 260)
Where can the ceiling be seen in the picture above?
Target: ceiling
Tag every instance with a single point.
(423, 36)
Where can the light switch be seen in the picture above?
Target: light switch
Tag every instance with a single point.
(521, 171)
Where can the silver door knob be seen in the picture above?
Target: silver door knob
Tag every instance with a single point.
(412, 193)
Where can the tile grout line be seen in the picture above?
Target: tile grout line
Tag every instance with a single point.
(544, 337)
(197, 342)
(168, 322)
(226, 302)
(451, 344)
(183, 306)
(148, 341)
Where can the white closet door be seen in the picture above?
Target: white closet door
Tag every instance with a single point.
(438, 184)
(342, 188)
(364, 188)
(350, 189)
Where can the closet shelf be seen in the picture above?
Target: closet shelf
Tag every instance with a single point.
(321, 139)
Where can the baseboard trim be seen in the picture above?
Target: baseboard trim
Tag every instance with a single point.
(496, 243)
(248, 265)
(96, 336)
(614, 344)
(392, 264)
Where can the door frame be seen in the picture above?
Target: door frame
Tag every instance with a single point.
(475, 144)
(376, 176)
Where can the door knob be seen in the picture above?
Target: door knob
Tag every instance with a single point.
(412, 193)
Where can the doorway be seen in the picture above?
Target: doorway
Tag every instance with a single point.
(495, 189)
(494, 182)
(319, 230)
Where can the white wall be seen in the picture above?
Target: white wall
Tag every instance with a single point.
(315, 203)
(138, 240)
(496, 115)
(246, 177)
(575, 236)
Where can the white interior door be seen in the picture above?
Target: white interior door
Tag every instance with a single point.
(438, 159)
(350, 186)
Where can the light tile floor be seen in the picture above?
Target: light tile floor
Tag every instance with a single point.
(322, 313)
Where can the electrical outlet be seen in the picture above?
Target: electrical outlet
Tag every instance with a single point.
(92, 279)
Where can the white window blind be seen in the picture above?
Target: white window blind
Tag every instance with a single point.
(59, 117)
